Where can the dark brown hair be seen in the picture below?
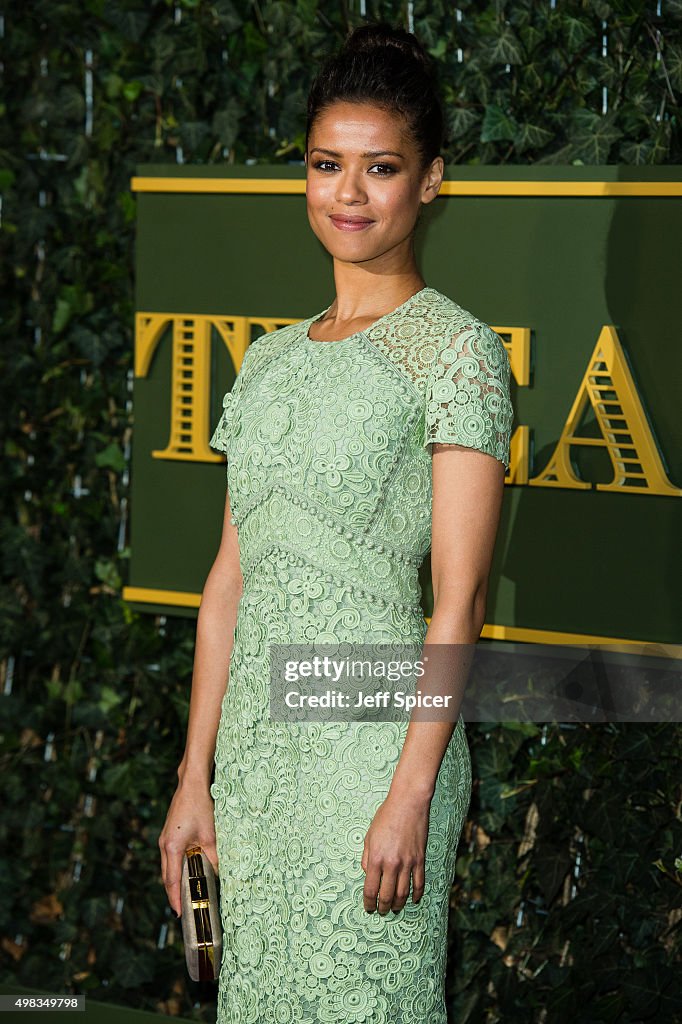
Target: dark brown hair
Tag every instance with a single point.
(389, 68)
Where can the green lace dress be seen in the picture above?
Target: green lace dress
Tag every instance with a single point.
(329, 478)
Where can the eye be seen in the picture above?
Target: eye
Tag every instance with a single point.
(384, 170)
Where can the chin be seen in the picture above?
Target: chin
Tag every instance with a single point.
(348, 255)
(348, 242)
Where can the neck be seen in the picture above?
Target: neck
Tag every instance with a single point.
(362, 293)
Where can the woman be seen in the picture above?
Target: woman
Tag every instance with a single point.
(355, 440)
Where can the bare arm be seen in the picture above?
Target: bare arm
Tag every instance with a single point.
(190, 816)
(468, 486)
(466, 500)
(214, 641)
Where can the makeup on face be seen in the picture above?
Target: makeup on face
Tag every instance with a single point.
(344, 223)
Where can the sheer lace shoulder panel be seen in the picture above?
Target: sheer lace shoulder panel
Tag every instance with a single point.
(467, 399)
(459, 367)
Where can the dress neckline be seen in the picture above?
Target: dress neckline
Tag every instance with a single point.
(306, 324)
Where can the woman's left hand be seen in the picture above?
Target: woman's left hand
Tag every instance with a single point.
(395, 849)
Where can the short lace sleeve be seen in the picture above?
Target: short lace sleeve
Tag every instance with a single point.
(468, 398)
(223, 432)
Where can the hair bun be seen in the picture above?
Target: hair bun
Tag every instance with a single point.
(381, 36)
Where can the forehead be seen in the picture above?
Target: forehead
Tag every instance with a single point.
(357, 126)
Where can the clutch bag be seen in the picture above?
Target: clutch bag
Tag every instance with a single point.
(201, 925)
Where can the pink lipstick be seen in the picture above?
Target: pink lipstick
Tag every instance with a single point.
(349, 223)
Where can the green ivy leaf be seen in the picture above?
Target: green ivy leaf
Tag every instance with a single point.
(131, 24)
(506, 48)
(113, 84)
(593, 135)
(127, 204)
(111, 457)
(228, 16)
(576, 32)
(131, 90)
(107, 572)
(497, 125)
(460, 120)
(226, 123)
(62, 315)
(532, 136)
(108, 699)
(73, 300)
(73, 691)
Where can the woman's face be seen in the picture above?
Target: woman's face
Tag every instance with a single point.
(362, 163)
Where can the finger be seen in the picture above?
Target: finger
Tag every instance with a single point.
(173, 879)
(371, 887)
(389, 877)
(162, 850)
(211, 852)
(402, 890)
(418, 882)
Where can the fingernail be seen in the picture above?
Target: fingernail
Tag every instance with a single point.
(176, 914)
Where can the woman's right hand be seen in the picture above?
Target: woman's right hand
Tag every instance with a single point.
(189, 820)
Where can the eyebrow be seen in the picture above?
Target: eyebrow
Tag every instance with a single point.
(372, 153)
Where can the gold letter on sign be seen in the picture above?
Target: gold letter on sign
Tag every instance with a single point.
(518, 350)
(190, 376)
(626, 435)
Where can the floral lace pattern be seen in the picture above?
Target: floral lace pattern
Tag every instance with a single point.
(329, 476)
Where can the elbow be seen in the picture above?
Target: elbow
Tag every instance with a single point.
(224, 584)
(461, 609)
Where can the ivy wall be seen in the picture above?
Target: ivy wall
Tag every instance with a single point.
(568, 896)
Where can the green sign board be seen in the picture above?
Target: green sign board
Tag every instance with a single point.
(576, 268)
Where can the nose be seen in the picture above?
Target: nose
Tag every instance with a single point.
(349, 188)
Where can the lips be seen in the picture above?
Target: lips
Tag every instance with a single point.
(340, 219)
(342, 223)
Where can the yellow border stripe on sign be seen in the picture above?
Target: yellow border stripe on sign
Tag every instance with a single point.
(295, 186)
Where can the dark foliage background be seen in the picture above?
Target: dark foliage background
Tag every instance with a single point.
(568, 896)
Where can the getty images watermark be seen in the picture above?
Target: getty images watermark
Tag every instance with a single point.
(484, 682)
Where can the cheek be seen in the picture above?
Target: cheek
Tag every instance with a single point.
(317, 195)
(394, 204)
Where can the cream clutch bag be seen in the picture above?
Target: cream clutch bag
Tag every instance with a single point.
(201, 925)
